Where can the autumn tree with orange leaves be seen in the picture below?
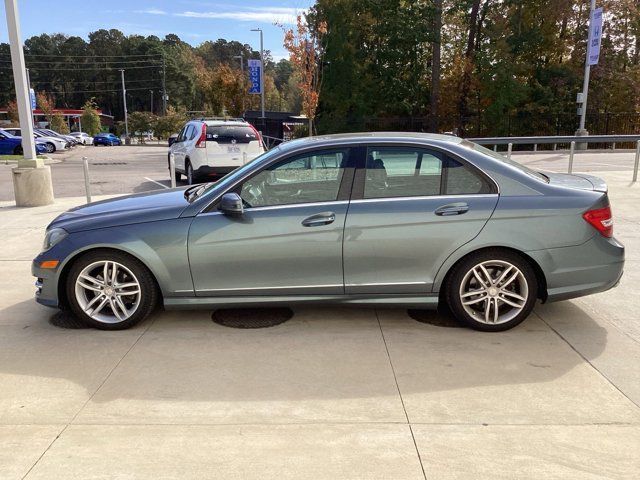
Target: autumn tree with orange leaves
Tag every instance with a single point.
(305, 52)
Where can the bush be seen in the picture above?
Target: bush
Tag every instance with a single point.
(58, 124)
(90, 118)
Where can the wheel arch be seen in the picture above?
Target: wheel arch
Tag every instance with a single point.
(540, 276)
(64, 272)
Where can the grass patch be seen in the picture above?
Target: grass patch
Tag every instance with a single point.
(15, 158)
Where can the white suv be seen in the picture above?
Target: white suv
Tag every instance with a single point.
(213, 148)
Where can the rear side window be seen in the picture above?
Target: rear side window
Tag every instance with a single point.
(231, 134)
(461, 180)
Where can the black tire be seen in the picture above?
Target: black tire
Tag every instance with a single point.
(191, 177)
(525, 286)
(17, 150)
(148, 290)
(178, 176)
(51, 148)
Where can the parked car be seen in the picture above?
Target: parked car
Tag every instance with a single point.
(401, 219)
(53, 133)
(12, 145)
(53, 143)
(108, 139)
(82, 138)
(213, 148)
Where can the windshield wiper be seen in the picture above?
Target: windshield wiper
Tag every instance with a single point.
(195, 191)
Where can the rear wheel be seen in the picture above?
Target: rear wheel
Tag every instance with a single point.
(110, 290)
(190, 174)
(493, 290)
(17, 150)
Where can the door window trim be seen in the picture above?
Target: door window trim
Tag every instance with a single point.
(360, 174)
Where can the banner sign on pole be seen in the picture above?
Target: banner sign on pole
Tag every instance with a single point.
(595, 36)
(254, 77)
(32, 95)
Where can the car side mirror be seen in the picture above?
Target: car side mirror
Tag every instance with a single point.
(231, 204)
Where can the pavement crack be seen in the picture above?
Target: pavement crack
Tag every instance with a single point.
(395, 379)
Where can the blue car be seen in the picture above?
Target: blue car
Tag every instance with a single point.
(108, 139)
(11, 145)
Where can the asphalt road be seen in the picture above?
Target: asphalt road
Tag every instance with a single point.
(132, 169)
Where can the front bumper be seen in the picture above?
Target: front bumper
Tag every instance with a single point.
(46, 284)
(570, 272)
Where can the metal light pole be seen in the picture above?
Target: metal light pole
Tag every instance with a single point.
(585, 86)
(261, 68)
(31, 179)
(151, 105)
(124, 100)
(241, 58)
(164, 86)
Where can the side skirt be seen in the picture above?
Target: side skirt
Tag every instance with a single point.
(428, 302)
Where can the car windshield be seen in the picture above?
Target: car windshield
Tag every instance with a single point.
(503, 159)
(197, 191)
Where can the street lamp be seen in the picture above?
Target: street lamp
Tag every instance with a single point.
(261, 68)
(241, 58)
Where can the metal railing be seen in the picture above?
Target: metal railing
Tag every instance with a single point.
(558, 140)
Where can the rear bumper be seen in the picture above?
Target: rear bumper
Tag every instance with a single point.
(570, 272)
(209, 171)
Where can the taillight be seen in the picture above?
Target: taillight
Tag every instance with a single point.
(202, 141)
(258, 135)
(600, 219)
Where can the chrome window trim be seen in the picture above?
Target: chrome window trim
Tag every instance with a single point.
(279, 207)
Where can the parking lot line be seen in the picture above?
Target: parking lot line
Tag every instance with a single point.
(157, 183)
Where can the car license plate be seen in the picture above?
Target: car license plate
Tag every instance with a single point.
(233, 149)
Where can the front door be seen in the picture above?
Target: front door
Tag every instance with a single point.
(411, 208)
(289, 239)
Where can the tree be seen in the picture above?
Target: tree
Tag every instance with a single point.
(305, 50)
(58, 124)
(47, 104)
(141, 122)
(12, 112)
(172, 122)
(90, 119)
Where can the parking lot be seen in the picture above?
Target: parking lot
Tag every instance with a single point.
(331, 393)
(132, 169)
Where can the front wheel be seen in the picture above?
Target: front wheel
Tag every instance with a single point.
(51, 148)
(493, 290)
(110, 290)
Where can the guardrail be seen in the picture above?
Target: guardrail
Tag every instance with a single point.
(571, 140)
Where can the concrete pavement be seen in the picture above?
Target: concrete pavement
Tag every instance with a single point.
(333, 393)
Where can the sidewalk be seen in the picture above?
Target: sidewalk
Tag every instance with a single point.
(334, 393)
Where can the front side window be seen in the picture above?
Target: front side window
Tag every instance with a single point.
(309, 178)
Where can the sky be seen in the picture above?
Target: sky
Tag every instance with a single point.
(194, 21)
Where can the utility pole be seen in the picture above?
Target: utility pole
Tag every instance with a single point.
(151, 105)
(261, 68)
(241, 58)
(164, 86)
(124, 101)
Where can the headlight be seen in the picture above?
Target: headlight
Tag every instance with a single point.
(52, 237)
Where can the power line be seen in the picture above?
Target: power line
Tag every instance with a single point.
(94, 91)
(89, 56)
(39, 69)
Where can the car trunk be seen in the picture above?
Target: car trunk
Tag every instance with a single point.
(577, 180)
(232, 145)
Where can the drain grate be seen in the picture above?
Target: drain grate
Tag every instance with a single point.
(440, 318)
(251, 317)
(65, 319)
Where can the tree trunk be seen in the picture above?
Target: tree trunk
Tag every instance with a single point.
(465, 87)
(435, 65)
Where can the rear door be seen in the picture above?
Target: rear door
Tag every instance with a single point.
(411, 208)
(232, 145)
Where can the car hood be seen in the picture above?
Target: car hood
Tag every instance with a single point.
(139, 208)
(577, 180)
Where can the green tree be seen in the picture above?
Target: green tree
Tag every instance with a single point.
(58, 124)
(172, 122)
(90, 119)
(140, 123)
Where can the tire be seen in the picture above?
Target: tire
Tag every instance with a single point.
(107, 312)
(17, 150)
(504, 299)
(178, 176)
(191, 178)
(51, 148)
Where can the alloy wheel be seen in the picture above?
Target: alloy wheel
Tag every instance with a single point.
(494, 292)
(107, 291)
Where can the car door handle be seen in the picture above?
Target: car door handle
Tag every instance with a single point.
(457, 208)
(319, 219)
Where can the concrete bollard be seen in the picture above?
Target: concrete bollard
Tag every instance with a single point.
(571, 153)
(637, 161)
(87, 183)
(509, 149)
(172, 170)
